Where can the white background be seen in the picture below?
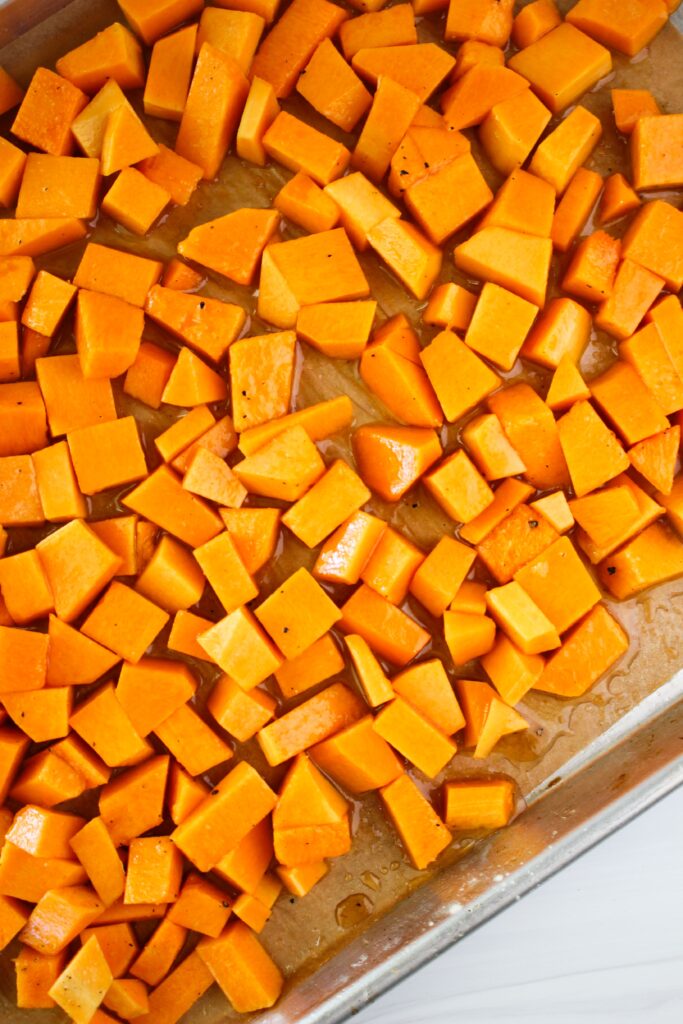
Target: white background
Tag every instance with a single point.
(599, 943)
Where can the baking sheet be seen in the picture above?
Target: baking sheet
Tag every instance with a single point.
(374, 910)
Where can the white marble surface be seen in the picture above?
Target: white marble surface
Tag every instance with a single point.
(600, 943)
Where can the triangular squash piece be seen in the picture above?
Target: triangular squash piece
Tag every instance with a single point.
(232, 245)
(471, 97)
(427, 687)
(420, 67)
(307, 798)
(374, 683)
(277, 303)
(655, 458)
(512, 259)
(501, 720)
(567, 386)
(88, 128)
(284, 468)
(75, 659)
(126, 141)
(254, 532)
(422, 151)
(192, 382)
(474, 697)
(618, 199)
(392, 459)
(112, 54)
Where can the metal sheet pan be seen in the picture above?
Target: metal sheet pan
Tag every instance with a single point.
(587, 766)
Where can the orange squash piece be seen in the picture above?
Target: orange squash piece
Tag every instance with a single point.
(414, 736)
(331, 500)
(260, 110)
(82, 986)
(159, 953)
(627, 30)
(480, 803)
(169, 74)
(427, 687)
(35, 975)
(261, 377)
(362, 206)
(58, 917)
(562, 152)
(459, 488)
(561, 65)
(243, 969)
(231, 245)
(574, 208)
(655, 152)
(147, 375)
(290, 44)
(653, 240)
(655, 458)
(11, 94)
(463, 182)
(305, 203)
(439, 577)
(566, 387)
(422, 831)
(44, 117)
(539, 577)
(514, 541)
(473, 95)
(450, 306)
(241, 648)
(652, 557)
(587, 653)
(418, 67)
(358, 758)
(392, 459)
(630, 105)
(218, 91)
(593, 453)
(634, 291)
(647, 353)
(319, 422)
(154, 871)
(533, 22)
(113, 53)
(375, 685)
(96, 851)
(631, 408)
(151, 20)
(532, 431)
(511, 129)
(337, 329)
(459, 377)
(394, 26)
(300, 147)
(315, 613)
(390, 367)
(315, 268)
(514, 260)
(617, 200)
(224, 817)
(391, 633)
(522, 203)
(117, 273)
(333, 88)
(201, 906)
